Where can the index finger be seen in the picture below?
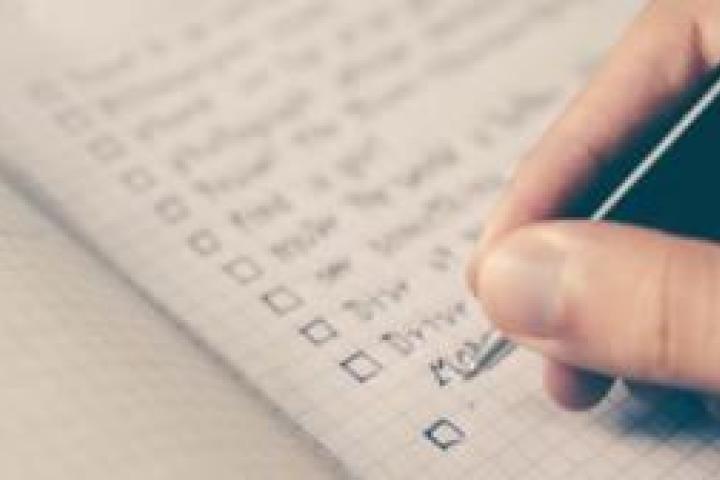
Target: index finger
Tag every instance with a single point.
(666, 49)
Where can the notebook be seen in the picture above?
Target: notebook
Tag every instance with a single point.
(234, 236)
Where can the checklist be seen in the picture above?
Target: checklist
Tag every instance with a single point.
(300, 184)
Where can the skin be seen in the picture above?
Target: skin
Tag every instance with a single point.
(604, 301)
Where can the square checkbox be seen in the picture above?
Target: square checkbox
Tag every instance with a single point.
(282, 301)
(204, 243)
(73, 121)
(445, 434)
(361, 366)
(243, 270)
(106, 148)
(172, 209)
(138, 180)
(319, 332)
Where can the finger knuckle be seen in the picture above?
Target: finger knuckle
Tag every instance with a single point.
(685, 301)
(666, 362)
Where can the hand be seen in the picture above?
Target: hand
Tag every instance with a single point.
(621, 301)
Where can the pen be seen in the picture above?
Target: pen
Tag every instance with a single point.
(666, 177)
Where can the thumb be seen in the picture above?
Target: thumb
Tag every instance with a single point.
(615, 299)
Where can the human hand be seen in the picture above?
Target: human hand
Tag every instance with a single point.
(618, 300)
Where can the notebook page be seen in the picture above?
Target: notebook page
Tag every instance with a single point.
(301, 181)
(96, 385)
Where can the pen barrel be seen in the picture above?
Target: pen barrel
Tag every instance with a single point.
(678, 190)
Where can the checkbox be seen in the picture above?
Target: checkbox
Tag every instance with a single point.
(204, 243)
(282, 301)
(319, 331)
(106, 148)
(444, 434)
(73, 121)
(361, 366)
(244, 270)
(138, 180)
(172, 209)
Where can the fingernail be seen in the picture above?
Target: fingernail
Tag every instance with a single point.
(519, 284)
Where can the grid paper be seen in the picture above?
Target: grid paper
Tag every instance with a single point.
(96, 385)
(301, 181)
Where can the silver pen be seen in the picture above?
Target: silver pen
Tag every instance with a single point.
(665, 177)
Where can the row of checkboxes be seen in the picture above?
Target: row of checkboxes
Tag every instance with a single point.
(444, 434)
(102, 147)
(172, 209)
(76, 121)
(282, 301)
(360, 365)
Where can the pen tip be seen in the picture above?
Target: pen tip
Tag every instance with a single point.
(490, 355)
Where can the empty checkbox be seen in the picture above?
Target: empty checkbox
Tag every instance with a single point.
(243, 270)
(282, 301)
(444, 434)
(106, 148)
(172, 209)
(361, 366)
(319, 331)
(73, 121)
(138, 180)
(204, 243)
